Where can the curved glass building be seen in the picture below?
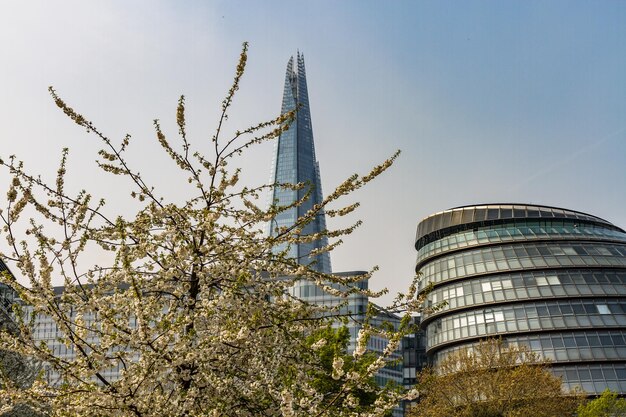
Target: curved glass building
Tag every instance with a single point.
(550, 278)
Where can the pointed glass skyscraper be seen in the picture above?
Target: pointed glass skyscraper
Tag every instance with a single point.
(294, 161)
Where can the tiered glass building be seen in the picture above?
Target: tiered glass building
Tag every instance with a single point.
(550, 278)
(294, 162)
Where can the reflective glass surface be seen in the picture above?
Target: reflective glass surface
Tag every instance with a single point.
(594, 378)
(294, 162)
(507, 318)
(609, 345)
(532, 230)
(548, 278)
(527, 285)
(433, 227)
(522, 256)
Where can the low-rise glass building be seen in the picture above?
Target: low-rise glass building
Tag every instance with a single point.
(550, 278)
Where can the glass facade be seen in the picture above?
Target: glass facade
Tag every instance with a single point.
(7, 298)
(294, 162)
(548, 278)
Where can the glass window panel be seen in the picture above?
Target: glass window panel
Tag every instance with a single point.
(618, 339)
(593, 340)
(609, 373)
(606, 340)
(569, 341)
(520, 252)
(557, 250)
(532, 251)
(580, 250)
(480, 215)
(596, 373)
(506, 213)
(545, 250)
(553, 280)
(492, 214)
(621, 373)
(569, 250)
(491, 266)
(584, 374)
(590, 308)
(468, 215)
(546, 343)
(581, 340)
(554, 310)
(519, 213)
(456, 217)
(446, 219)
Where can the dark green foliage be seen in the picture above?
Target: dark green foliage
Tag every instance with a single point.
(336, 345)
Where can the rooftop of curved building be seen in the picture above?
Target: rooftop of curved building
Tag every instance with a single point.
(458, 218)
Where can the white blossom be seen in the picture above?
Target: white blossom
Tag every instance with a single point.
(338, 371)
(361, 343)
(189, 312)
(319, 344)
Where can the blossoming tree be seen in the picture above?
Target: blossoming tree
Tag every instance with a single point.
(194, 309)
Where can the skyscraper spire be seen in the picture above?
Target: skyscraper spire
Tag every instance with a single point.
(294, 162)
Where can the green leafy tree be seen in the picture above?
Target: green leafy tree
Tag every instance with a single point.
(331, 345)
(606, 405)
(492, 380)
(194, 308)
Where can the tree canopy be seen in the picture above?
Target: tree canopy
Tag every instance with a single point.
(193, 311)
(492, 380)
(606, 405)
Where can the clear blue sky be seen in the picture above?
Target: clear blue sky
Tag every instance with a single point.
(490, 101)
